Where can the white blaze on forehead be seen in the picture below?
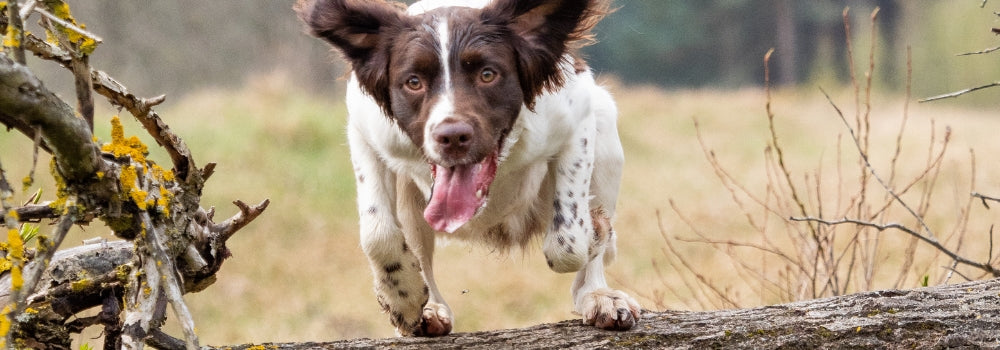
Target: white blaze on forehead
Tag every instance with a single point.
(444, 106)
(426, 5)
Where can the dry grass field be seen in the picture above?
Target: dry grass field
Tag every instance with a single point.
(298, 274)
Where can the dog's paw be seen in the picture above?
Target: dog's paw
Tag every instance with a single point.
(435, 321)
(610, 309)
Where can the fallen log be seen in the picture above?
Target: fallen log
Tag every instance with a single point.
(965, 315)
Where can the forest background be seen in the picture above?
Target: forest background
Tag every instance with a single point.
(248, 90)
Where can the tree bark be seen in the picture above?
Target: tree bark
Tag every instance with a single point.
(963, 315)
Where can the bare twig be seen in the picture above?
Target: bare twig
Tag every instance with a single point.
(703, 281)
(980, 52)
(960, 92)
(864, 158)
(774, 140)
(78, 64)
(27, 8)
(906, 115)
(929, 240)
(244, 217)
(985, 198)
(51, 17)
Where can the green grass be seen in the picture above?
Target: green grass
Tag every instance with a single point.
(298, 274)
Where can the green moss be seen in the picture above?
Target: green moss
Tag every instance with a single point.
(824, 332)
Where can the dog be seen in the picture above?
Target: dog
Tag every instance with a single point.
(477, 120)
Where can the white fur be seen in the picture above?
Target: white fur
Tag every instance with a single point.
(544, 160)
(445, 105)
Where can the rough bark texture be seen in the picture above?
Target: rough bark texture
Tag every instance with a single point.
(952, 316)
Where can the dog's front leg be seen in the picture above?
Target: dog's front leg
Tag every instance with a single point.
(437, 316)
(567, 242)
(399, 286)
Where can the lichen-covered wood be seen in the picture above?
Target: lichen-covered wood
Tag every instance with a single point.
(172, 246)
(963, 315)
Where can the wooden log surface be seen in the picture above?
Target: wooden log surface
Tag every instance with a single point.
(965, 315)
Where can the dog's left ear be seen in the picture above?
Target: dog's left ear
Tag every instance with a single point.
(544, 30)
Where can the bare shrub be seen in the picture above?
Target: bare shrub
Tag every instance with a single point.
(799, 252)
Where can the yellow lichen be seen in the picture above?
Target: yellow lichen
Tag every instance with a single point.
(26, 183)
(163, 174)
(122, 272)
(80, 285)
(85, 44)
(15, 252)
(5, 323)
(62, 194)
(129, 181)
(12, 37)
(61, 10)
(163, 203)
(120, 146)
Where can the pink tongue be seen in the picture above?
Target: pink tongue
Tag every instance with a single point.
(453, 200)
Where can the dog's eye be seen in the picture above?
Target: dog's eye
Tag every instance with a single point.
(487, 76)
(414, 83)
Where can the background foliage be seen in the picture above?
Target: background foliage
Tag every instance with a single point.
(176, 46)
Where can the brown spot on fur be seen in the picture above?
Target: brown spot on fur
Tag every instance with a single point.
(393, 267)
(602, 227)
(397, 318)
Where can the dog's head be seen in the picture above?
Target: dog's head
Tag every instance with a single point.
(454, 78)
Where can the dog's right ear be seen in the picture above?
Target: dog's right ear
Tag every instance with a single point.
(362, 31)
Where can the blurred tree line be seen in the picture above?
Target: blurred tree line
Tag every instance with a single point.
(176, 46)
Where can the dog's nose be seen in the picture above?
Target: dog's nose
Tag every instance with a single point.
(453, 137)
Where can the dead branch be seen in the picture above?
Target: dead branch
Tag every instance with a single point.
(929, 240)
(948, 316)
(140, 108)
(177, 247)
(25, 104)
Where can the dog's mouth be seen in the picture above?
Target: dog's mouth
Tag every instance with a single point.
(459, 192)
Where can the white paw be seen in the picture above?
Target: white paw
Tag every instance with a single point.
(610, 309)
(435, 321)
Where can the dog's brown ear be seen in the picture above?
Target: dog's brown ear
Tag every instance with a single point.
(544, 30)
(362, 31)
